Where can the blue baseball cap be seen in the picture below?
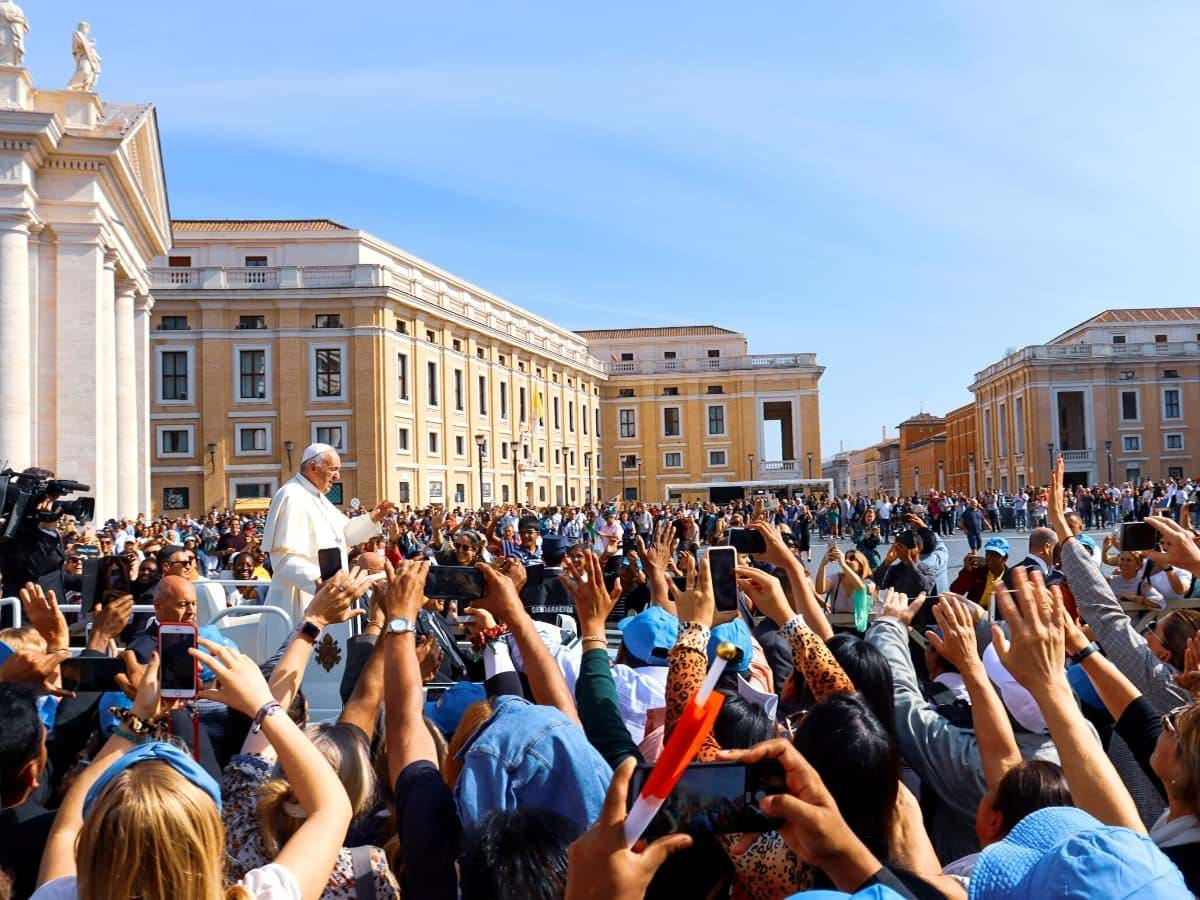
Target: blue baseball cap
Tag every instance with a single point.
(996, 545)
(738, 634)
(874, 892)
(447, 710)
(650, 635)
(1087, 541)
(1061, 851)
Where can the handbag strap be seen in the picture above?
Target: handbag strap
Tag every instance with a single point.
(364, 872)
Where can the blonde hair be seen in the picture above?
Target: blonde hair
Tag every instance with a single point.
(279, 814)
(24, 637)
(1187, 782)
(152, 833)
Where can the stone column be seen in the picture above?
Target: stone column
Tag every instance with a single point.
(106, 382)
(16, 432)
(141, 347)
(127, 402)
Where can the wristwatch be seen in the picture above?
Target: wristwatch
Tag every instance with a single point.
(310, 630)
(400, 626)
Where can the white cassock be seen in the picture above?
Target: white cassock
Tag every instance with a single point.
(301, 522)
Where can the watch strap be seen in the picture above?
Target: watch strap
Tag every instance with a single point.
(310, 630)
(1080, 656)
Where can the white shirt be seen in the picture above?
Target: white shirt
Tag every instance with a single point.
(638, 690)
(300, 523)
(271, 882)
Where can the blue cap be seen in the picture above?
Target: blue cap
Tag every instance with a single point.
(1087, 541)
(554, 544)
(874, 892)
(447, 710)
(738, 634)
(163, 752)
(996, 545)
(214, 635)
(650, 634)
(1061, 851)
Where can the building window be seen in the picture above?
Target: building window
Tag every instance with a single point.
(174, 367)
(1174, 441)
(1126, 375)
(1118, 338)
(1019, 423)
(1171, 408)
(333, 435)
(714, 354)
(670, 392)
(1002, 428)
(716, 420)
(435, 490)
(628, 423)
(176, 498)
(430, 336)
(1129, 406)
(402, 440)
(457, 345)
(504, 451)
(597, 421)
(251, 323)
(431, 377)
(503, 400)
(987, 434)
(504, 493)
(179, 262)
(1175, 472)
(557, 458)
(1170, 373)
(256, 262)
(173, 323)
(252, 439)
(583, 417)
(328, 320)
(402, 376)
(329, 372)
(402, 328)
(542, 454)
(521, 405)
(1133, 473)
(626, 357)
(481, 353)
(458, 390)
(483, 395)
(571, 416)
(1132, 443)
(175, 442)
(625, 392)
(673, 460)
(402, 492)
(460, 493)
(460, 445)
(671, 421)
(554, 411)
(715, 389)
(1160, 339)
(433, 443)
(716, 459)
(252, 371)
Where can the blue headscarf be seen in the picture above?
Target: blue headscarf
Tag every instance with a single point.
(163, 752)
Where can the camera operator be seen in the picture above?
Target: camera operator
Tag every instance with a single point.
(35, 552)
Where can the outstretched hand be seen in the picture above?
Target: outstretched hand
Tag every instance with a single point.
(897, 606)
(696, 602)
(1035, 654)
(1177, 545)
(957, 643)
(584, 581)
(41, 609)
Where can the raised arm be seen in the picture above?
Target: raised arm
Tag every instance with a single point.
(804, 598)
(1035, 659)
(408, 737)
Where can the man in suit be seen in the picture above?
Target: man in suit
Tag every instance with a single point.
(1042, 542)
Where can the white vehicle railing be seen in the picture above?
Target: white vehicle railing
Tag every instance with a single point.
(15, 603)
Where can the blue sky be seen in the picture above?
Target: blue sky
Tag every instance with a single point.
(906, 189)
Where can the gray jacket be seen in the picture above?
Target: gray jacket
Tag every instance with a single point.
(945, 756)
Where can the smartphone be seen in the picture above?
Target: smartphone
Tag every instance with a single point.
(178, 668)
(91, 673)
(454, 582)
(330, 561)
(714, 798)
(747, 540)
(721, 563)
(1138, 536)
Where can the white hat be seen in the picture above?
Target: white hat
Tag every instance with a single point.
(1018, 701)
(312, 451)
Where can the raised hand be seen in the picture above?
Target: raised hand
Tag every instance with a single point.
(1189, 678)
(1177, 545)
(37, 669)
(896, 606)
(765, 592)
(696, 603)
(240, 683)
(777, 553)
(1057, 512)
(601, 866)
(584, 581)
(131, 679)
(334, 602)
(405, 591)
(957, 643)
(109, 620)
(500, 595)
(41, 609)
(661, 552)
(1036, 652)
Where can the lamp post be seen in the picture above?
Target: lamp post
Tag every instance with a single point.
(212, 456)
(810, 465)
(587, 461)
(515, 446)
(1108, 453)
(480, 441)
(750, 459)
(289, 446)
(641, 490)
(623, 461)
(1050, 450)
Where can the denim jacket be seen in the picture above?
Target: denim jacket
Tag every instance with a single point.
(529, 755)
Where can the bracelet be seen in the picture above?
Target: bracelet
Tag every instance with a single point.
(268, 709)
(1083, 654)
(131, 722)
(128, 736)
(488, 635)
(600, 639)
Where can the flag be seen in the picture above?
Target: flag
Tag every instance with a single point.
(613, 357)
(539, 408)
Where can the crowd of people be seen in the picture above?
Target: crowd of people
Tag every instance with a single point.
(1026, 728)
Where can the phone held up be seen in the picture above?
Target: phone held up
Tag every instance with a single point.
(747, 540)
(178, 669)
(721, 563)
(96, 674)
(1138, 536)
(715, 798)
(330, 561)
(454, 583)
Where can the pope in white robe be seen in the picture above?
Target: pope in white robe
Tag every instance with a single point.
(302, 522)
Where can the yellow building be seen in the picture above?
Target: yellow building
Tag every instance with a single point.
(688, 412)
(270, 335)
(1114, 395)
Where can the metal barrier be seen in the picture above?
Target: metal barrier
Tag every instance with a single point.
(15, 603)
(251, 611)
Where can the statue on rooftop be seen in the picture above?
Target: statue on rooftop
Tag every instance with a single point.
(13, 26)
(87, 60)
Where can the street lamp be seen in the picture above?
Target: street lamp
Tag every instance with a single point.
(515, 446)
(624, 461)
(587, 461)
(641, 491)
(289, 446)
(750, 459)
(480, 442)
(212, 456)
(1050, 450)
(1108, 453)
(810, 465)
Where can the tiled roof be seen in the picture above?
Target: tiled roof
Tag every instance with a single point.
(1159, 314)
(184, 226)
(605, 334)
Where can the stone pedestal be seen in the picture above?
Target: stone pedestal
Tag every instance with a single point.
(16, 88)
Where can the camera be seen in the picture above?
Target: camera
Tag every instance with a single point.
(22, 495)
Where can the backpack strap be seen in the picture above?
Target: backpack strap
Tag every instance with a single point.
(364, 872)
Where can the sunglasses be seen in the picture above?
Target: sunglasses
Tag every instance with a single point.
(1168, 720)
(464, 547)
(188, 563)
